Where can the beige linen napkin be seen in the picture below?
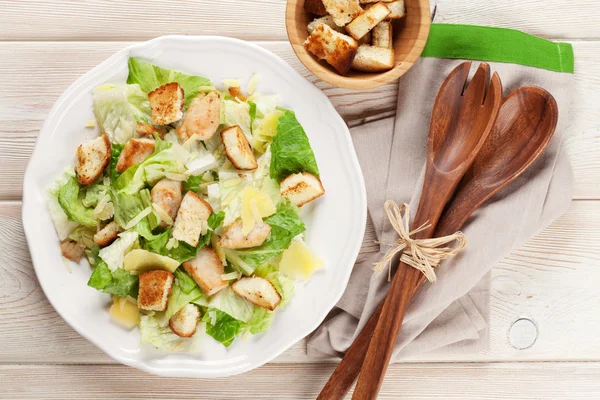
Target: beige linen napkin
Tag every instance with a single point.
(452, 314)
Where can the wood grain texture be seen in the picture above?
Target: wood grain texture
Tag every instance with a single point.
(25, 101)
(552, 280)
(408, 43)
(114, 20)
(552, 19)
(299, 382)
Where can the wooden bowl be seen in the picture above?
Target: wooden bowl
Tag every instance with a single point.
(410, 36)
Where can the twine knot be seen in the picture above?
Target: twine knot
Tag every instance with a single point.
(422, 254)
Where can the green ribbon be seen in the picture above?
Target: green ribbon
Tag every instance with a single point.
(469, 42)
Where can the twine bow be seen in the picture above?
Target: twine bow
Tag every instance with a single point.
(422, 254)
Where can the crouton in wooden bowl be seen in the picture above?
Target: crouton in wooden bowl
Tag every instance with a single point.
(358, 44)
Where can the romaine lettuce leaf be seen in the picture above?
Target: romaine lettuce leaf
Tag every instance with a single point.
(127, 206)
(261, 320)
(123, 284)
(149, 77)
(185, 290)
(114, 254)
(93, 193)
(290, 151)
(152, 218)
(70, 201)
(61, 221)
(252, 112)
(119, 282)
(221, 326)
(178, 299)
(155, 330)
(118, 108)
(234, 113)
(229, 302)
(83, 235)
(285, 286)
(101, 275)
(285, 225)
(185, 282)
(115, 152)
(181, 253)
(192, 184)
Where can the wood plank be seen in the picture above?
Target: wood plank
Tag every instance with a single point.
(26, 97)
(553, 19)
(552, 280)
(29, 86)
(296, 382)
(116, 20)
(39, 20)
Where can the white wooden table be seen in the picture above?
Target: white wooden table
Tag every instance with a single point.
(45, 45)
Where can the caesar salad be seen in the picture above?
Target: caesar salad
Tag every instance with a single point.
(186, 206)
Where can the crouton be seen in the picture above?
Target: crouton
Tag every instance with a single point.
(238, 149)
(154, 291)
(167, 103)
(343, 11)
(134, 152)
(92, 158)
(107, 235)
(206, 269)
(234, 238)
(367, 21)
(334, 47)
(373, 59)
(166, 194)
(397, 8)
(301, 188)
(327, 20)
(315, 7)
(202, 118)
(257, 291)
(237, 93)
(382, 35)
(72, 250)
(183, 323)
(149, 130)
(191, 218)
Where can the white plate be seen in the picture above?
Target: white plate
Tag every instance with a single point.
(335, 223)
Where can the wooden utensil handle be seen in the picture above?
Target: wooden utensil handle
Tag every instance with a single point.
(386, 331)
(346, 372)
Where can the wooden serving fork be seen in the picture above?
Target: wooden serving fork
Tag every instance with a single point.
(462, 118)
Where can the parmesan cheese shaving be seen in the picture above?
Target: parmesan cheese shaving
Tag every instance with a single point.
(162, 214)
(231, 276)
(143, 214)
(188, 143)
(231, 82)
(172, 244)
(252, 84)
(176, 177)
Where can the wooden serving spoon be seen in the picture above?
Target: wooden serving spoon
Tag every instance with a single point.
(524, 127)
(462, 118)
